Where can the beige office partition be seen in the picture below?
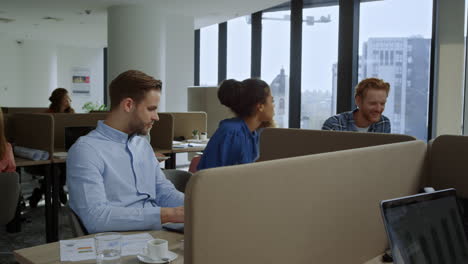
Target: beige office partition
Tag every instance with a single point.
(62, 120)
(186, 122)
(14, 110)
(205, 99)
(277, 143)
(448, 160)
(321, 208)
(162, 132)
(32, 131)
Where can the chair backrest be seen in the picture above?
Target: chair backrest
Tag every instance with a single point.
(448, 156)
(10, 190)
(179, 178)
(194, 163)
(77, 226)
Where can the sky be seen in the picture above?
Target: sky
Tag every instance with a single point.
(387, 18)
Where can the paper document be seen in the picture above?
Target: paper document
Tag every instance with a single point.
(83, 249)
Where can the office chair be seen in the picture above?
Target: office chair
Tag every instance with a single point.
(10, 189)
(179, 178)
(78, 229)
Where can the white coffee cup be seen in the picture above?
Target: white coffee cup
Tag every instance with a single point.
(203, 136)
(156, 249)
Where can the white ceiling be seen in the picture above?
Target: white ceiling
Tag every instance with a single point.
(78, 28)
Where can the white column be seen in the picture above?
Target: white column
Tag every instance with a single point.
(450, 71)
(179, 61)
(134, 40)
(157, 41)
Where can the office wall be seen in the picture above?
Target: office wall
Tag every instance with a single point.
(10, 65)
(38, 72)
(27, 70)
(30, 70)
(87, 58)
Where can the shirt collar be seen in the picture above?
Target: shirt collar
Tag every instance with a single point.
(246, 128)
(112, 133)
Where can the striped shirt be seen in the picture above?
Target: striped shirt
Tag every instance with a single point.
(345, 122)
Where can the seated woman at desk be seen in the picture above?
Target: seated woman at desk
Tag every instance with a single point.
(60, 102)
(7, 159)
(236, 139)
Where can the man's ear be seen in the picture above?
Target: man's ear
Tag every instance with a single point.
(358, 101)
(127, 104)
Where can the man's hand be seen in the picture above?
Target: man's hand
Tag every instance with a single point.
(172, 214)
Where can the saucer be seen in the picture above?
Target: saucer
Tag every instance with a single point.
(145, 259)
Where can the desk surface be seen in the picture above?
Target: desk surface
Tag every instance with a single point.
(21, 162)
(50, 253)
(179, 150)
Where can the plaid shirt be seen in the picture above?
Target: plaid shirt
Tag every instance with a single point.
(345, 122)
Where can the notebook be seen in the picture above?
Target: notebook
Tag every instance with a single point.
(425, 228)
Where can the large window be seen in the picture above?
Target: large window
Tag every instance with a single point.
(395, 45)
(275, 60)
(238, 48)
(319, 58)
(209, 55)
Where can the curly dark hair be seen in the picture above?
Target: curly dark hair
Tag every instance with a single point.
(56, 99)
(242, 97)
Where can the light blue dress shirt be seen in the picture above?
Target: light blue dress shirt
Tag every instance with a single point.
(115, 182)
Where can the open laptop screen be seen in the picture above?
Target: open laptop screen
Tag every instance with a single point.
(426, 228)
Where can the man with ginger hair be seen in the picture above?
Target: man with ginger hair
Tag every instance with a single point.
(370, 97)
(115, 182)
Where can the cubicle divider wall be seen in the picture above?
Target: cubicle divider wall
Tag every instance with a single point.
(162, 132)
(14, 110)
(63, 120)
(321, 208)
(186, 122)
(34, 131)
(205, 99)
(277, 143)
(176, 125)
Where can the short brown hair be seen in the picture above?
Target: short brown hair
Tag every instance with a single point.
(371, 83)
(132, 84)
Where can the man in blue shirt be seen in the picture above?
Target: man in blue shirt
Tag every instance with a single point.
(114, 180)
(370, 97)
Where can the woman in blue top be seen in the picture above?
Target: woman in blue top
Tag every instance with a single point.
(236, 139)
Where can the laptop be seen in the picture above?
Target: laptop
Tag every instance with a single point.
(425, 228)
(174, 227)
(73, 133)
